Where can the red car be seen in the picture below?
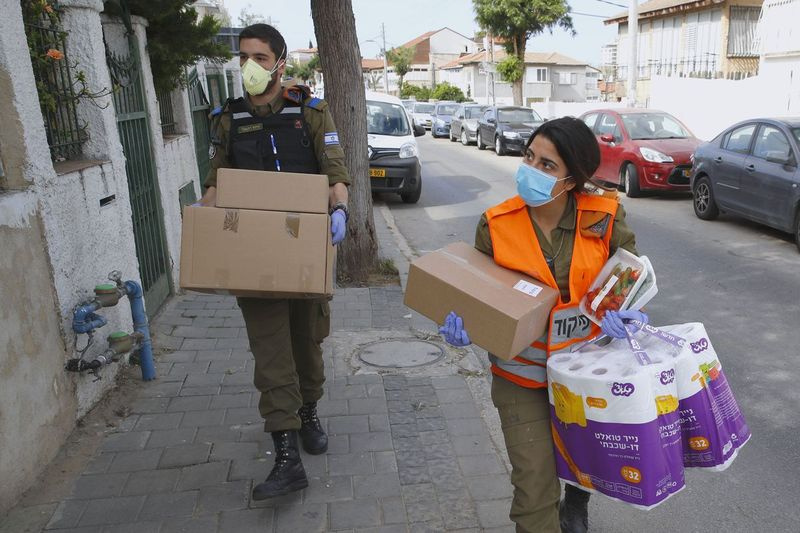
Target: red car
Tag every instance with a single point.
(642, 149)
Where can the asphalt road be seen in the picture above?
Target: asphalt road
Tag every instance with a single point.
(740, 279)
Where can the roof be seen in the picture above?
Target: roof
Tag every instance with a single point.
(371, 64)
(536, 58)
(654, 8)
(304, 51)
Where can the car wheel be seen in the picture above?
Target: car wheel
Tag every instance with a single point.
(480, 144)
(412, 196)
(464, 138)
(452, 139)
(797, 230)
(498, 146)
(703, 200)
(630, 177)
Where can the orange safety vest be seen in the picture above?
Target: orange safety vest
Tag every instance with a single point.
(517, 248)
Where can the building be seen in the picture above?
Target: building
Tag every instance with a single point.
(432, 50)
(548, 76)
(688, 38)
(301, 55)
(779, 46)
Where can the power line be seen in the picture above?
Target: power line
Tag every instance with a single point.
(589, 15)
(612, 3)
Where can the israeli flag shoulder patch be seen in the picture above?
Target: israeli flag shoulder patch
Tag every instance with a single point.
(331, 138)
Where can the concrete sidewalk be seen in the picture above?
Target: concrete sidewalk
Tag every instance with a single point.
(413, 445)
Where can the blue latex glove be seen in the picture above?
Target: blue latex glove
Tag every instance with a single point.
(197, 204)
(613, 323)
(453, 331)
(338, 226)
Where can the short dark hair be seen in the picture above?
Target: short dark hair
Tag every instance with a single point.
(266, 34)
(576, 144)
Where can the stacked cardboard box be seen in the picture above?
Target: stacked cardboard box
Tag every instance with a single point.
(269, 237)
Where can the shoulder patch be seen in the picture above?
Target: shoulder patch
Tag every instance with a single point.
(595, 224)
(216, 111)
(314, 102)
(296, 93)
(331, 138)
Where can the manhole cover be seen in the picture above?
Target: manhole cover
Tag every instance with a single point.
(400, 353)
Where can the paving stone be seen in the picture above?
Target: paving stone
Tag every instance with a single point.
(363, 379)
(135, 527)
(371, 442)
(448, 382)
(184, 455)
(194, 524)
(397, 528)
(346, 392)
(458, 510)
(193, 313)
(239, 343)
(67, 514)
(316, 466)
(348, 424)
(229, 367)
(203, 380)
(208, 390)
(434, 437)
(99, 463)
(355, 513)
(404, 430)
(184, 369)
(247, 521)
(223, 451)
(474, 465)
(350, 464)
(421, 504)
(454, 396)
(328, 408)
(466, 426)
(160, 506)
(149, 405)
(229, 496)
(135, 461)
(199, 344)
(490, 486)
(257, 469)
(459, 410)
(402, 417)
(493, 513)
(111, 510)
(384, 462)
(238, 378)
(407, 443)
(413, 475)
(178, 356)
(397, 395)
(189, 403)
(151, 482)
(98, 486)
(393, 511)
(241, 415)
(224, 401)
(377, 485)
(125, 442)
(202, 475)
(367, 406)
(159, 421)
(170, 437)
(472, 445)
(431, 424)
(203, 418)
(158, 389)
(379, 423)
(325, 489)
(306, 518)
(217, 354)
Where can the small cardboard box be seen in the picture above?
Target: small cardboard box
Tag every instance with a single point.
(503, 311)
(272, 191)
(269, 254)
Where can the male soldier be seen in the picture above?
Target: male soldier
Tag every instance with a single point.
(282, 129)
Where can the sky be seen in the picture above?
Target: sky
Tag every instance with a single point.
(407, 19)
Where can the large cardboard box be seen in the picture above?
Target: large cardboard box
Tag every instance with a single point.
(271, 254)
(272, 191)
(503, 310)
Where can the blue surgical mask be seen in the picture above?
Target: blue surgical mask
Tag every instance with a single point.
(536, 186)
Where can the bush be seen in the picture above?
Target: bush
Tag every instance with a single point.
(446, 91)
(422, 94)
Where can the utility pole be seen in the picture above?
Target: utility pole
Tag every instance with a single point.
(633, 38)
(491, 63)
(385, 65)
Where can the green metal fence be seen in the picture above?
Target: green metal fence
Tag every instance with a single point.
(166, 112)
(54, 81)
(200, 124)
(134, 132)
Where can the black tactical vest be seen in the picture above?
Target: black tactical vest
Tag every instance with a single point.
(279, 142)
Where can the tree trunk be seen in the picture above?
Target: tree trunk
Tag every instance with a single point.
(516, 87)
(335, 28)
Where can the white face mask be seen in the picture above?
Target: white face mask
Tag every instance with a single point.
(256, 78)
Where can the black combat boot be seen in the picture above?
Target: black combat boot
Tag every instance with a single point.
(288, 474)
(573, 511)
(315, 441)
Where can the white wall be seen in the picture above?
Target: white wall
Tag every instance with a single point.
(551, 110)
(449, 42)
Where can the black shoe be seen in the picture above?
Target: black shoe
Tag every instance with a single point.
(573, 511)
(315, 441)
(288, 474)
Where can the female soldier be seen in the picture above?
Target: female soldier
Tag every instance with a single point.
(557, 233)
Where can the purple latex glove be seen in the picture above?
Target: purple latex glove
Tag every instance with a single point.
(613, 323)
(453, 331)
(338, 226)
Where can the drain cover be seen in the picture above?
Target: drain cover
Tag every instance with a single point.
(400, 353)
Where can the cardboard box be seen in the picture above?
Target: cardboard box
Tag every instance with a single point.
(272, 191)
(503, 311)
(270, 254)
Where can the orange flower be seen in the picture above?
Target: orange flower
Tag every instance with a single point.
(55, 54)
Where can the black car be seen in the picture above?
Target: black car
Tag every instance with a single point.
(751, 170)
(507, 128)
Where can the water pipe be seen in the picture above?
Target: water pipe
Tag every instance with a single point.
(140, 325)
(84, 318)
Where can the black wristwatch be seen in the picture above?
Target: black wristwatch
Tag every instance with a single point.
(343, 207)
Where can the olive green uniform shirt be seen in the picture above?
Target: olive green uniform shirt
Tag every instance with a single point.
(319, 120)
(558, 250)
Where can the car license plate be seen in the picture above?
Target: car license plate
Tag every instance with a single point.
(687, 173)
(377, 173)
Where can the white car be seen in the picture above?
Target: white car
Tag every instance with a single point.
(422, 114)
(394, 164)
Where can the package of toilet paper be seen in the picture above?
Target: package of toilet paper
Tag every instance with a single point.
(712, 425)
(616, 423)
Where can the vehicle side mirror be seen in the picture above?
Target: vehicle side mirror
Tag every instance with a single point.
(490, 120)
(419, 131)
(787, 162)
(607, 138)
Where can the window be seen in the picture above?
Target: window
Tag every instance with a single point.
(653, 126)
(772, 145)
(608, 126)
(519, 114)
(384, 118)
(742, 33)
(536, 74)
(739, 139)
(567, 78)
(591, 120)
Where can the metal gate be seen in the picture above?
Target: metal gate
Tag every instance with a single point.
(217, 90)
(201, 125)
(134, 132)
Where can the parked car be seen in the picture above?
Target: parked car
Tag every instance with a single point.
(394, 164)
(408, 104)
(422, 114)
(507, 128)
(441, 117)
(464, 125)
(751, 170)
(642, 149)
